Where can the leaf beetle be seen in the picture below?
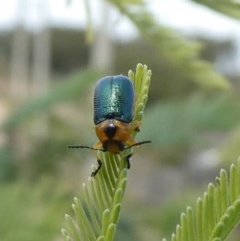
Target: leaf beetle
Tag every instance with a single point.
(113, 117)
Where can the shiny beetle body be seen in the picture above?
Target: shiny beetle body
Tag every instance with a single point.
(113, 113)
(113, 99)
(113, 117)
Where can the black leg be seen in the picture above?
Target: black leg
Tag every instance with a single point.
(128, 161)
(137, 129)
(94, 173)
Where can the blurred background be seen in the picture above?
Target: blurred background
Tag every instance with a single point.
(51, 54)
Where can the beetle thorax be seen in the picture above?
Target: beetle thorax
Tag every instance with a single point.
(113, 134)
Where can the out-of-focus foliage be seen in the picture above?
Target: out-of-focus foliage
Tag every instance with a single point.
(229, 149)
(182, 55)
(177, 126)
(164, 215)
(8, 169)
(71, 88)
(227, 7)
(31, 212)
(69, 51)
(167, 82)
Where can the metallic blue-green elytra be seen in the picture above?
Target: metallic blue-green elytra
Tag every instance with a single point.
(113, 99)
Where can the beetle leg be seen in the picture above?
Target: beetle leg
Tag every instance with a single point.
(128, 161)
(136, 126)
(94, 173)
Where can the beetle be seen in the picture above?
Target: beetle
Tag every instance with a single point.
(113, 117)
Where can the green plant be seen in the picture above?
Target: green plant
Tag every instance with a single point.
(31, 211)
(182, 55)
(97, 209)
(216, 214)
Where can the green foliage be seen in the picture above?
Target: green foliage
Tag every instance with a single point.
(31, 212)
(97, 210)
(167, 82)
(227, 7)
(216, 213)
(7, 168)
(178, 126)
(182, 55)
(158, 219)
(229, 150)
(141, 81)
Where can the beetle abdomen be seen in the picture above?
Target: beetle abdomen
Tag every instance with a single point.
(113, 99)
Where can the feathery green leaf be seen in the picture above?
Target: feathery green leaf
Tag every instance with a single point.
(216, 213)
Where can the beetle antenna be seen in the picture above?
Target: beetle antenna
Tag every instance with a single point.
(137, 144)
(86, 147)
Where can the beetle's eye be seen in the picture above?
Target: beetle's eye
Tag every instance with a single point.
(110, 130)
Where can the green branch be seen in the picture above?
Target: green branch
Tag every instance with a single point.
(216, 214)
